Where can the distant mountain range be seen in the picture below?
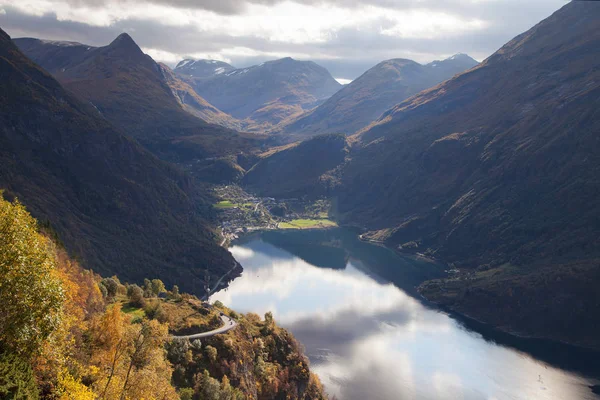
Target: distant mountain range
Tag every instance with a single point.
(138, 95)
(263, 95)
(114, 205)
(363, 100)
(495, 171)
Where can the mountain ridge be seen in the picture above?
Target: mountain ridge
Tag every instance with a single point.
(265, 94)
(363, 100)
(132, 91)
(111, 202)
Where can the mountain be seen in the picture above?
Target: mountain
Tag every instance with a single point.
(363, 100)
(194, 104)
(284, 173)
(202, 68)
(497, 173)
(115, 206)
(132, 91)
(266, 94)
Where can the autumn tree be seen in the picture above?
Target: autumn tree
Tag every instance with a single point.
(158, 287)
(211, 352)
(130, 358)
(175, 295)
(31, 294)
(147, 288)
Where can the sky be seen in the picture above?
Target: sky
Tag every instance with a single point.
(345, 36)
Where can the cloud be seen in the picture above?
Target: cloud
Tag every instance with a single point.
(345, 36)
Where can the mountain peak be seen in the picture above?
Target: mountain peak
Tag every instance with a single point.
(184, 62)
(4, 36)
(125, 42)
(460, 57)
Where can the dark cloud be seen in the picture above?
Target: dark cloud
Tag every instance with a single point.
(347, 53)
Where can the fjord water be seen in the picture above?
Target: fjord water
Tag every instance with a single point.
(368, 335)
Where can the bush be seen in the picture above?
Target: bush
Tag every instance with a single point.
(154, 310)
(186, 393)
(136, 295)
(111, 286)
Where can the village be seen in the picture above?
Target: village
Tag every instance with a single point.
(240, 212)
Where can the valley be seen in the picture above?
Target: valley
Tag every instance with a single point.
(426, 228)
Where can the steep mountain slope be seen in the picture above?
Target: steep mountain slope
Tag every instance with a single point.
(202, 68)
(114, 205)
(496, 167)
(194, 104)
(131, 90)
(364, 100)
(268, 93)
(285, 173)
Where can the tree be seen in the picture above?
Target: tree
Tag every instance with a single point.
(211, 352)
(175, 293)
(111, 286)
(158, 287)
(130, 358)
(147, 288)
(186, 393)
(135, 295)
(31, 293)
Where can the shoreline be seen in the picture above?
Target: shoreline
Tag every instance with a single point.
(464, 316)
(460, 316)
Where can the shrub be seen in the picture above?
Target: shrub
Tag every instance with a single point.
(136, 295)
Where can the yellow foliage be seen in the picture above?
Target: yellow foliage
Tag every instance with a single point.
(31, 293)
(70, 388)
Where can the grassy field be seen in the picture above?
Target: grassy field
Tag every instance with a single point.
(307, 224)
(224, 204)
(137, 314)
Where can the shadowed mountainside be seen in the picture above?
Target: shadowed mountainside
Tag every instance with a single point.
(497, 172)
(495, 168)
(194, 104)
(284, 172)
(114, 205)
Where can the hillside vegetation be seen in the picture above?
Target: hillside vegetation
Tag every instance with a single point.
(66, 333)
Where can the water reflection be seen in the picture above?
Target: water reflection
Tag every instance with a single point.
(368, 339)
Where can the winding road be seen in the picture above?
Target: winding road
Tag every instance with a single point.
(228, 324)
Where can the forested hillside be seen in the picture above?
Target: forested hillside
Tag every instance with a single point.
(67, 333)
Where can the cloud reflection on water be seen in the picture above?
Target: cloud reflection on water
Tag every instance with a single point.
(370, 340)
